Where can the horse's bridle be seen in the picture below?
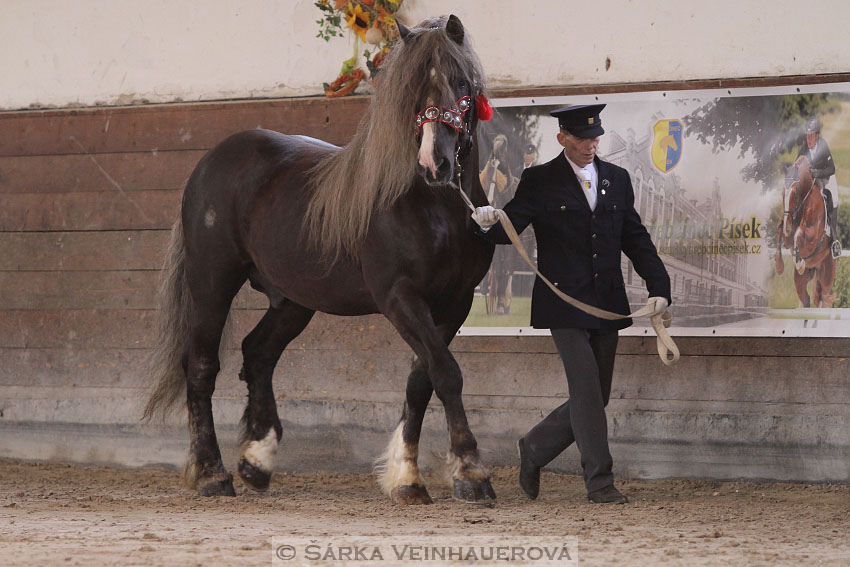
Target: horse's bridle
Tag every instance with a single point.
(795, 214)
(454, 116)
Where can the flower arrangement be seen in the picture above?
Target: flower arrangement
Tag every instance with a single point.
(372, 23)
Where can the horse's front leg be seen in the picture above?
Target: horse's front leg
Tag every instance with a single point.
(411, 316)
(799, 262)
(801, 284)
(398, 468)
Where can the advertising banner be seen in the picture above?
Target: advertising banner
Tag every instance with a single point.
(744, 192)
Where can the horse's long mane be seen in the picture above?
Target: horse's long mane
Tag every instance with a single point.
(378, 166)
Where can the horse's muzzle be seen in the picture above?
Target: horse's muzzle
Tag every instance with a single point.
(444, 173)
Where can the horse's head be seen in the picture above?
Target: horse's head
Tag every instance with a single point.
(804, 170)
(798, 184)
(449, 100)
(500, 147)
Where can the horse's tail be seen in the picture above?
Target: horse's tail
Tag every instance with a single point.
(167, 363)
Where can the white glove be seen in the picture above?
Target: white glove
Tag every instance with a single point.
(485, 217)
(659, 305)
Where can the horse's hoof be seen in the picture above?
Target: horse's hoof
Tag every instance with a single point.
(411, 494)
(221, 485)
(254, 477)
(475, 491)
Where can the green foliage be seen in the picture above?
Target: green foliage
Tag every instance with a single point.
(520, 315)
(841, 157)
(770, 127)
(841, 287)
(843, 222)
(772, 226)
(783, 294)
(331, 23)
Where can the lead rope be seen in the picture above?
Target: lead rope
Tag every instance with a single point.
(660, 321)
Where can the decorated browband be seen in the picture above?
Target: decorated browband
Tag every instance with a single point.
(454, 116)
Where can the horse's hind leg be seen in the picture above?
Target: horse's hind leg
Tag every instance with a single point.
(261, 350)
(211, 298)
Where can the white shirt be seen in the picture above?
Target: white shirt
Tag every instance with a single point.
(587, 178)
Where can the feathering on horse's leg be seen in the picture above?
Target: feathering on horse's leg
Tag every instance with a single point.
(398, 469)
(261, 350)
(411, 315)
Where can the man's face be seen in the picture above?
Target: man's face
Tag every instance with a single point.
(581, 151)
(811, 140)
(528, 158)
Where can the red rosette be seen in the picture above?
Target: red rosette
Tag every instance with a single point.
(482, 107)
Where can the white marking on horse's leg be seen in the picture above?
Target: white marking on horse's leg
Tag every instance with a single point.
(261, 453)
(397, 466)
(191, 471)
(426, 148)
(467, 468)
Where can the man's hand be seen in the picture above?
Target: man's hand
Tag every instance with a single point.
(659, 305)
(485, 217)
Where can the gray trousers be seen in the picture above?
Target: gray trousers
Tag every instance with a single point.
(588, 358)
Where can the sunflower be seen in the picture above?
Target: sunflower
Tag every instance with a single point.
(358, 20)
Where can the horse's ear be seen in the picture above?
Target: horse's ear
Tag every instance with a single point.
(403, 31)
(454, 29)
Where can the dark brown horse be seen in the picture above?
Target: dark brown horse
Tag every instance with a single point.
(377, 226)
(802, 230)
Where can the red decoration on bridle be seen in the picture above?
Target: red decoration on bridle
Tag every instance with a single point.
(454, 116)
(482, 107)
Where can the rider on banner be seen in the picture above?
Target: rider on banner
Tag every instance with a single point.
(817, 151)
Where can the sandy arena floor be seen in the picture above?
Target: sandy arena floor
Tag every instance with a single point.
(90, 516)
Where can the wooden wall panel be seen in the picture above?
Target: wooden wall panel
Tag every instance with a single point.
(83, 250)
(140, 210)
(109, 173)
(174, 126)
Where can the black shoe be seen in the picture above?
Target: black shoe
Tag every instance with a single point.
(607, 495)
(836, 248)
(529, 473)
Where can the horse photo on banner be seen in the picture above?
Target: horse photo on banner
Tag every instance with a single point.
(743, 199)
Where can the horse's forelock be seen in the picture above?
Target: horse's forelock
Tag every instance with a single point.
(407, 79)
(379, 164)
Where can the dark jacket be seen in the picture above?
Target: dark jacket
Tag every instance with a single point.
(822, 165)
(579, 249)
